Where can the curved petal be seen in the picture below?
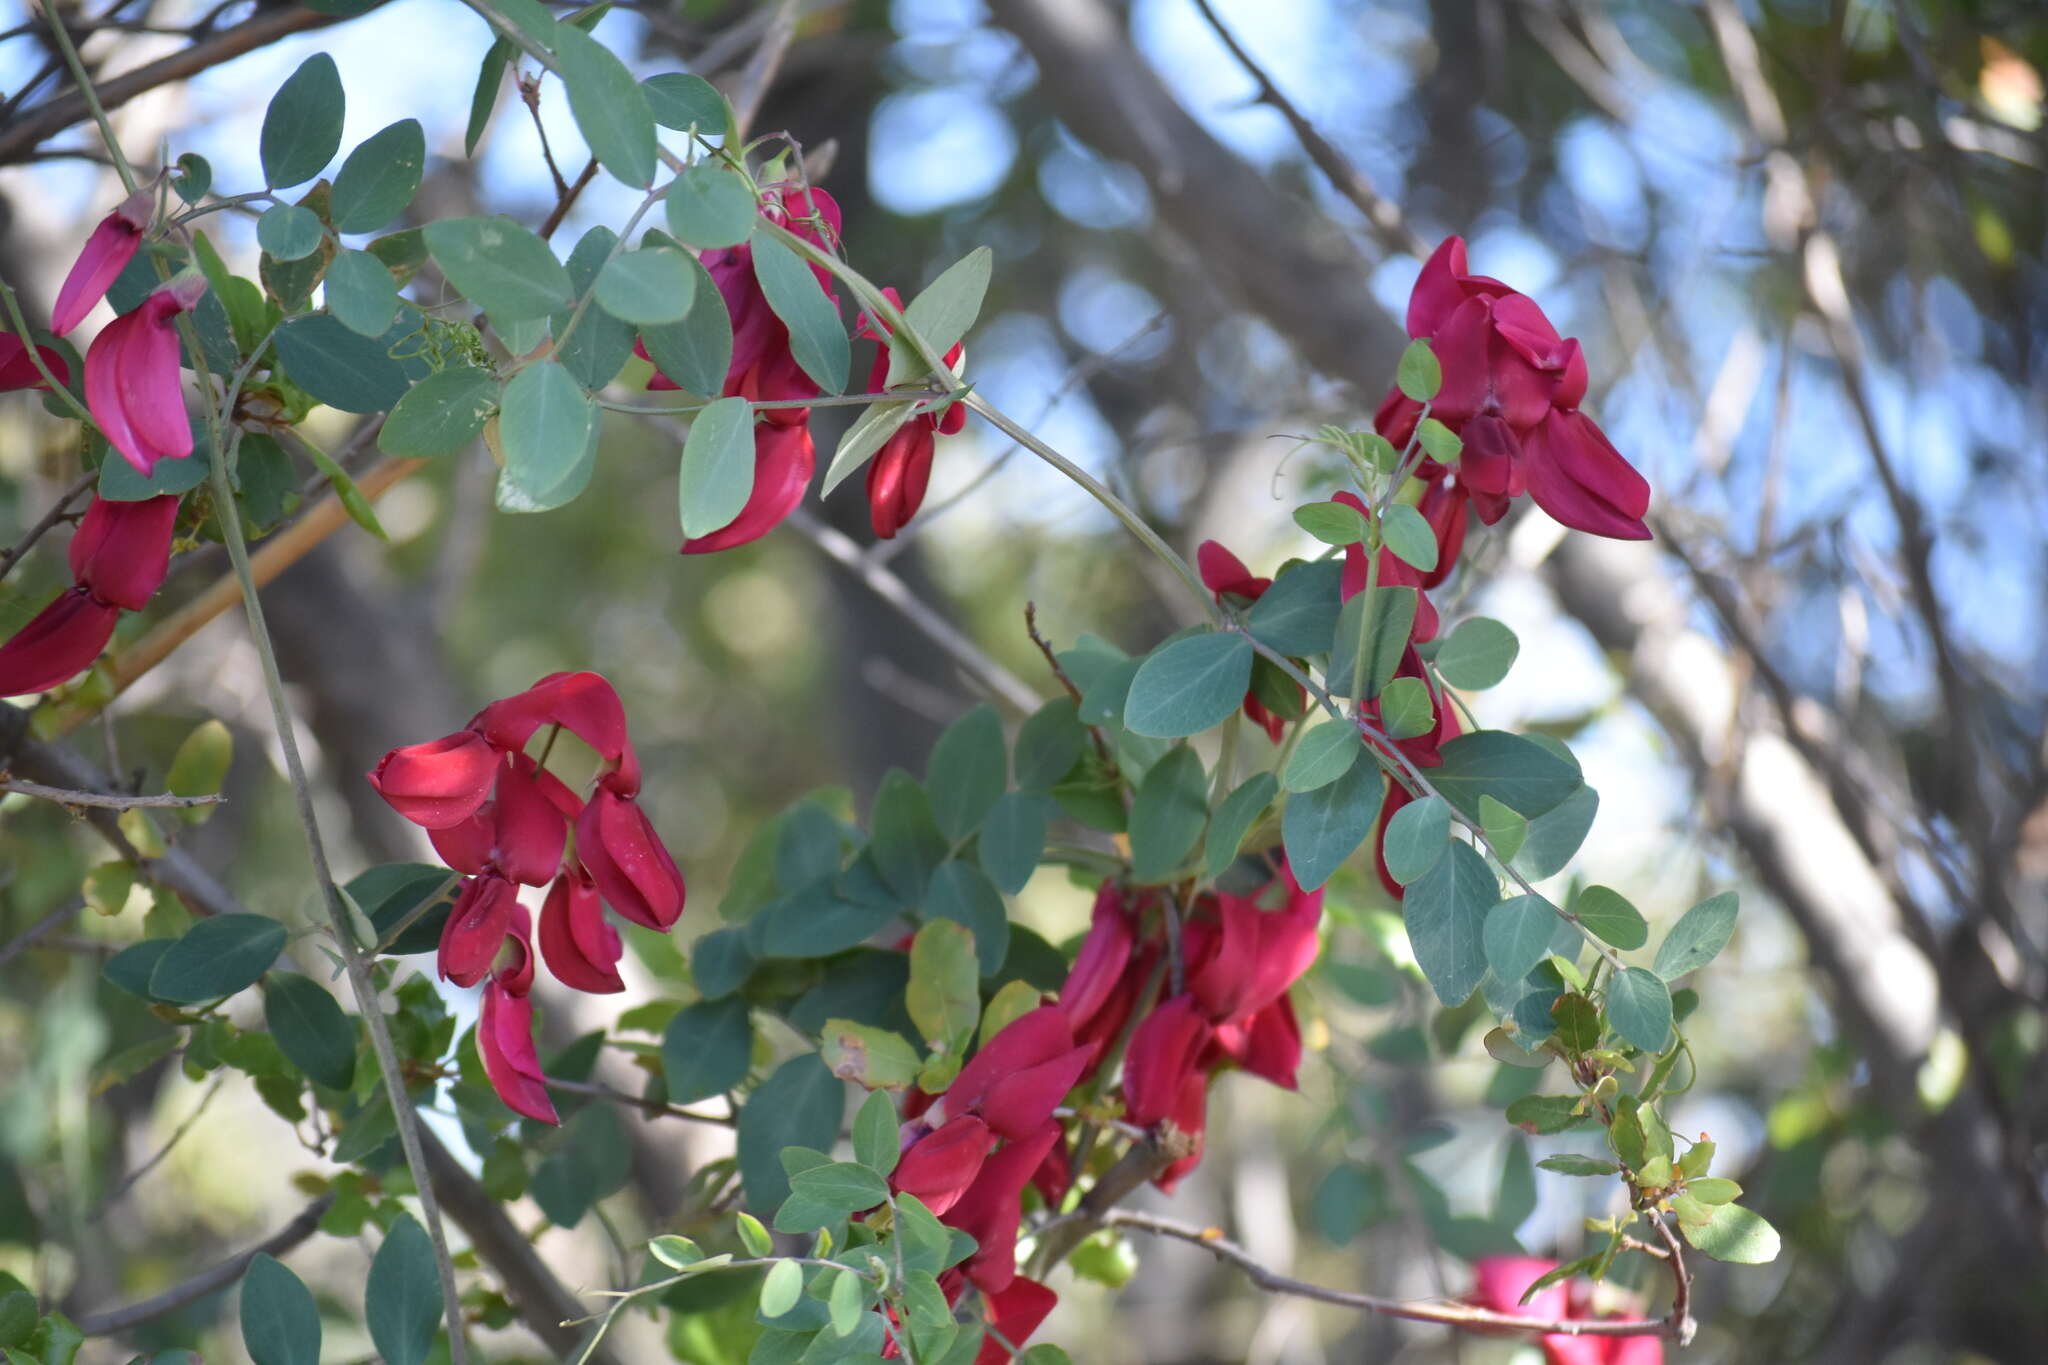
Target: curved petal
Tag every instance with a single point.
(122, 550)
(105, 255)
(476, 928)
(625, 857)
(440, 783)
(1579, 478)
(1438, 289)
(103, 391)
(57, 644)
(504, 1039)
(580, 948)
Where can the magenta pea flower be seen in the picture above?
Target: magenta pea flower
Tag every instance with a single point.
(132, 377)
(106, 254)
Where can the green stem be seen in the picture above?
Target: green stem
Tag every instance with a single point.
(61, 36)
(35, 354)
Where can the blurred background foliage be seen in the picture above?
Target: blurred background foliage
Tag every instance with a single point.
(1802, 242)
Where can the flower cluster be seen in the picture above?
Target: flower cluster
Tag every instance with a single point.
(763, 370)
(970, 1153)
(1511, 391)
(1500, 1282)
(501, 819)
(119, 556)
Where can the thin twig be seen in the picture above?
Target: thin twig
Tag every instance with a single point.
(657, 1109)
(98, 799)
(1384, 215)
(762, 66)
(128, 1181)
(567, 199)
(58, 510)
(211, 1280)
(26, 939)
(1449, 1314)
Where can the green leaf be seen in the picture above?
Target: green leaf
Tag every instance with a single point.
(379, 178)
(677, 1253)
(1438, 441)
(1554, 836)
(107, 886)
(718, 467)
(1516, 1198)
(1541, 1115)
(961, 892)
(711, 206)
(1419, 375)
(844, 1185)
(1297, 616)
(1713, 1189)
(1517, 935)
(1406, 709)
(1333, 523)
(872, 1058)
(905, 838)
(311, 1028)
(682, 101)
(500, 266)
(1735, 1234)
(867, 434)
(696, 351)
(1234, 819)
(610, 107)
(1048, 744)
(402, 1304)
(846, 1302)
(753, 1236)
(288, 232)
(781, 1289)
(817, 337)
(130, 1062)
(302, 126)
(1608, 913)
(217, 957)
(1012, 840)
(544, 425)
(1417, 838)
(1189, 685)
(1698, 937)
(1372, 633)
(1322, 828)
(706, 1049)
(441, 414)
(194, 177)
(942, 313)
(1504, 829)
(339, 366)
(1578, 1022)
(651, 287)
(280, 1321)
(483, 99)
(599, 345)
(799, 1105)
(1407, 533)
(1517, 772)
(361, 292)
(1639, 1004)
(1570, 1163)
(966, 772)
(1167, 815)
(1478, 654)
(944, 996)
(1322, 756)
(1445, 912)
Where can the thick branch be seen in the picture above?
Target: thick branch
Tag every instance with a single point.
(209, 1280)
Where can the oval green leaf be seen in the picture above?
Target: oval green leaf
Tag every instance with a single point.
(217, 957)
(280, 1321)
(302, 127)
(379, 178)
(402, 1303)
(311, 1028)
(441, 414)
(610, 107)
(1189, 686)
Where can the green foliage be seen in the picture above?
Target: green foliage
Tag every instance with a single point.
(311, 1029)
(1297, 616)
(280, 1322)
(799, 1105)
(611, 109)
(1168, 814)
(216, 957)
(706, 1049)
(718, 466)
(379, 178)
(1477, 654)
(817, 337)
(1322, 828)
(302, 127)
(1698, 937)
(649, 287)
(1419, 376)
(1445, 911)
(1189, 685)
(499, 266)
(402, 1304)
(1324, 754)
(967, 772)
(545, 425)
(942, 313)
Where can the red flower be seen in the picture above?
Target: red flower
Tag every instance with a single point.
(107, 253)
(18, 371)
(530, 832)
(1099, 965)
(1166, 1048)
(1019, 1076)
(58, 644)
(580, 947)
(1190, 1114)
(1259, 954)
(903, 466)
(628, 861)
(132, 378)
(784, 458)
(991, 1209)
(1394, 572)
(1223, 573)
(122, 550)
(504, 1039)
(1511, 390)
(477, 927)
(1499, 1283)
(1015, 1313)
(585, 704)
(1267, 1045)
(440, 783)
(939, 1167)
